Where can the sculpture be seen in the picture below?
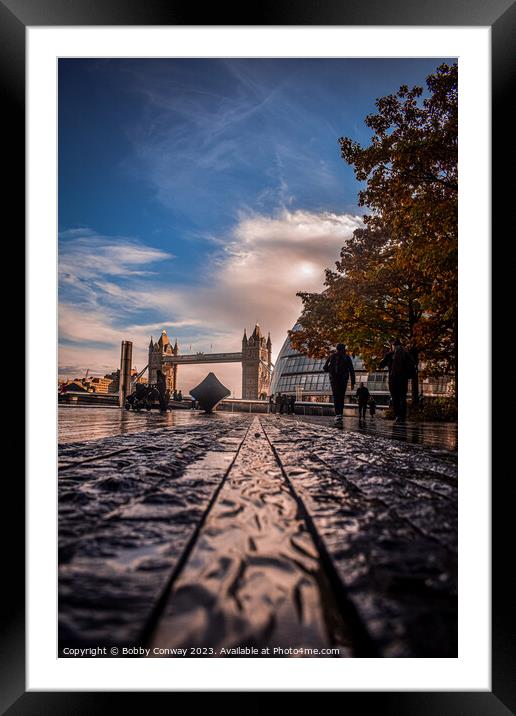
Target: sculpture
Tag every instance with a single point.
(209, 392)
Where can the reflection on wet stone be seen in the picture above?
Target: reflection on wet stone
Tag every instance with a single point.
(254, 577)
(123, 528)
(392, 539)
(234, 530)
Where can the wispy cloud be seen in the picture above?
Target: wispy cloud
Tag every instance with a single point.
(266, 262)
(235, 137)
(84, 254)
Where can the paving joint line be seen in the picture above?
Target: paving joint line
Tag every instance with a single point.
(150, 625)
(366, 646)
(390, 508)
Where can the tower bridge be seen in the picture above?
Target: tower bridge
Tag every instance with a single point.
(255, 358)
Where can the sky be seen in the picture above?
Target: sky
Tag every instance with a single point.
(198, 196)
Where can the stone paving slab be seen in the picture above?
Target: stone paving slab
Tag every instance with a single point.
(442, 437)
(88, 423)
(245, 530)
(125, 521)
(254, 577)
(393, 541)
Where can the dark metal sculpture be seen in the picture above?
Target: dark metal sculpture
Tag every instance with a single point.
(209, 392)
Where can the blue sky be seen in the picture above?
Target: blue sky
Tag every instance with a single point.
(200, 195)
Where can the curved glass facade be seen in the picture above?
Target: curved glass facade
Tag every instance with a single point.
(304, 377)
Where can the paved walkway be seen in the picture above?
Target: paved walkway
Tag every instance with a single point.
(441, 436)
(237, 530)
(91, 423)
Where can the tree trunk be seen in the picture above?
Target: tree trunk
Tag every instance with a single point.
(412, 320)
(456, 366)
(415, 380)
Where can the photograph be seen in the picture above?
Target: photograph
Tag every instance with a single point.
(259, 250)
(257, 380)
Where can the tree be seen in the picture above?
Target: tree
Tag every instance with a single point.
(397, 276)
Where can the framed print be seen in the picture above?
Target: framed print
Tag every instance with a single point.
(258, 256)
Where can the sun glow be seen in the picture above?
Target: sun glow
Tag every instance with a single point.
(307, 269)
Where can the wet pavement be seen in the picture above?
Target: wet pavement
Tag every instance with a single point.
(233, 530)
(91, 423)
(436, 435)
(77, 424)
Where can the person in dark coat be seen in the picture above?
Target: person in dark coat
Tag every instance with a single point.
(292, 404)
(372, 406)
(401, 369)
(339, 366)
(272, 404)
(363, 398)
(279, 403)
(164, 395)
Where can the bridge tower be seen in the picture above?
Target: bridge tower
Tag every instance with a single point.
(256, 365)
(157, 352)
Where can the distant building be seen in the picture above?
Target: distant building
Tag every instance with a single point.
(93, 384)
(99, 385)
(157, 351)
(114, 377)
(255, 358)
(256, 365)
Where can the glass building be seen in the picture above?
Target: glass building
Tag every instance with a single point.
(304, 377)
(296, 374)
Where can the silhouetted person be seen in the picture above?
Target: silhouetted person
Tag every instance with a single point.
(372, 406)
(272, 404)
(401, 369)
(279, 402)
(362, 398)
(284, 404)
(179, 396)
(339, 366)
(292, 404)
(162, 391)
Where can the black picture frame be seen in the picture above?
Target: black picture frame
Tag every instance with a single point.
(15, 16)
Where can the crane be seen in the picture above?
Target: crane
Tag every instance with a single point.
(139, 375)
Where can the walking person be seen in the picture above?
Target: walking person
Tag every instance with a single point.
(272, 405)
(163, 393)
(363, 398)
(339, 366)
(279, 403)
(372, 406)
(293, 404)
(401, 368)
